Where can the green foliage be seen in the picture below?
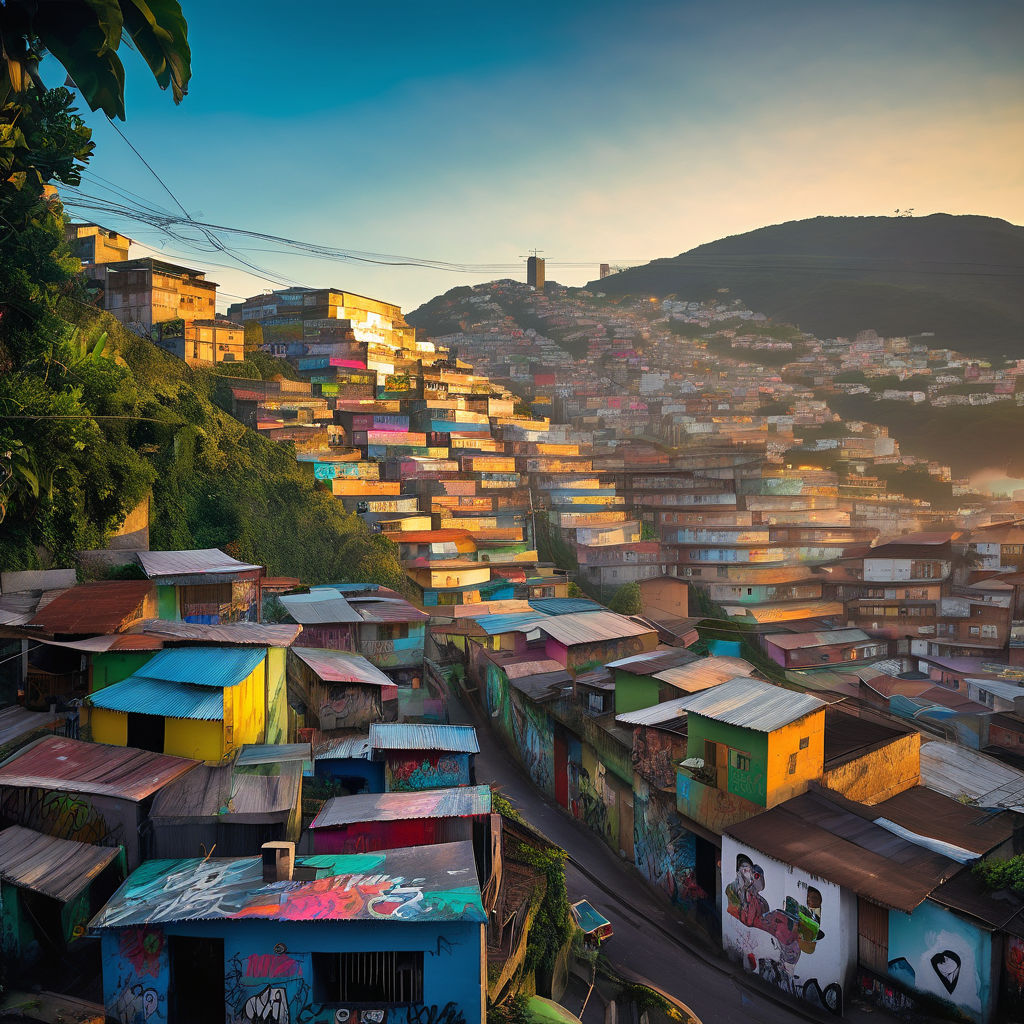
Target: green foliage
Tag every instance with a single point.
(627, 600)
(1001, 874)
(253, 334)
(515, 1011)
(85, 35)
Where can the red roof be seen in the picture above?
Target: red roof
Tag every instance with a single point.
(94, 608)
(55, 762)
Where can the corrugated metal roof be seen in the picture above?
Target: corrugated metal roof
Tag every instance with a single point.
(338, 748)
(165, 565)
(521, 669)
(273, 753)
(705, 672)
(785, 613)
(222, 792)
(110, 642)
(452, 802)
(342, 666)
(202, 666)
(78, 767)
(59, 868)
(590, 627)
(319, 606)
(349, 887)
(955, 770)
(655, 661)
(460, 739)
(93, 607)
(16, 721)
(493, 625)
(563, 605)
(822, 638)
(241, 634)
(751, 704)
(387, 609)
(161, 697)
(825, 835)
(657, 714)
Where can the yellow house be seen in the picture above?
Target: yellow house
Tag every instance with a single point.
(198, 702)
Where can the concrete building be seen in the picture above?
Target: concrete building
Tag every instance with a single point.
(95, 245)
(535, 273)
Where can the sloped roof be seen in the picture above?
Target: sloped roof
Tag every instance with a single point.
(221, 791)
(341, 666)
(55, 762)
(654, 661)
(59, 868)
(238, 634)
(93, 608)
(319, 606)
(459, 739)
(450, 802)
(822, 638)
(176, 566)
(201, 666)
(159, 697)
(752, 704)
(589, 627)
(703, 673)
(423, 883)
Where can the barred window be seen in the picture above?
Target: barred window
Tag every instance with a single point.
(390, 976)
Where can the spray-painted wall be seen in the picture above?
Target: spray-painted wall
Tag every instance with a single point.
(796, 931)
(935, 952)
(268, 970)
(420, 770)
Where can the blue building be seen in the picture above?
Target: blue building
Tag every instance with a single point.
(395, 935)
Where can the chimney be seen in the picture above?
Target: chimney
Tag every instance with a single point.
(278, 861)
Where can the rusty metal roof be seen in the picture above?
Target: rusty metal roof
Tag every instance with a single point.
(459, 739)
(236, 634)
(341, 748)
(589, 627)
(94, 608)
(178, 566)
(59, 868)
(450, 802)
(341, 666)
(55, 762)
(223, 792)
(319, 606)
(655, 661)
(347, 887)
(830, 837)
(821, 638)
(387, 609)
(110, 642)
(705, 672)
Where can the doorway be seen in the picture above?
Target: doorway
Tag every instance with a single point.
(196, 991)
(146, 732)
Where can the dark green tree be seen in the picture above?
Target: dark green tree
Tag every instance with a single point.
(626, 600)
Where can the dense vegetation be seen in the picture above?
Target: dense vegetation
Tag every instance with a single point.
(959, 277)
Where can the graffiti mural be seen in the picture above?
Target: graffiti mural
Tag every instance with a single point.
(138, 1004)
(64, 815)
(426, 771)
(525, 727)
(143, 948)
(1014, 957)
(935, 952)
(342, 706)
(777, 935)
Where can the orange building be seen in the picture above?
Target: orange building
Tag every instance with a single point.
(148, 291)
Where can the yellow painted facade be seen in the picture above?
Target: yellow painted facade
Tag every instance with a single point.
(186, 737)
(796, 754)
(880, 773)
(106, 726)
(245, 710)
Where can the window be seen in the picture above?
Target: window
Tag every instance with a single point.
(989, 631)
(804, 742)
(792, 764)
(392, 976)
(739, 760)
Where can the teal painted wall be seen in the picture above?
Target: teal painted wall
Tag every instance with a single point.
(113, 666)
(751, 784)
(632, 692)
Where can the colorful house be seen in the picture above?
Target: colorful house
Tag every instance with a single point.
(386, 821)
(424, 756)
(585, 640)
(822, 647)
(345, 761)
(199, 702)
(395, 935)
(86, 792)
(204, 585)
(339, 690)
(49, 889)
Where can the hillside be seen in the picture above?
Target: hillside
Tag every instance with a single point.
(150, 423)
(959, 277)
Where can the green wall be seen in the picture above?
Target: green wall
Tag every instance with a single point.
(751, 785)
(633, 693)
(167, 603)
(113, 666)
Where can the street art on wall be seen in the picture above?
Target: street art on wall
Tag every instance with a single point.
(525, 727)
(935, 952)
(426, 771)
(776, 931)
(343, 706)
(434, 883)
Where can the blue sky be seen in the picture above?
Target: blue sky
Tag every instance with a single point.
(596, 132)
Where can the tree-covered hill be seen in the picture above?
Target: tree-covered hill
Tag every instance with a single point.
(214, 482)
(961, 278)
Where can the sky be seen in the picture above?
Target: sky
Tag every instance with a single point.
(472, 133)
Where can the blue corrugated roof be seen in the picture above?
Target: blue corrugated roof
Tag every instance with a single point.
(564, 605)
(459, 739)
(494, 624)
(156, 697)
(203, 666)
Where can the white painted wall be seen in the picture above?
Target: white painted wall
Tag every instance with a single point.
(774, 943)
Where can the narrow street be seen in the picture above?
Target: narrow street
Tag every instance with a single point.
(645, 947)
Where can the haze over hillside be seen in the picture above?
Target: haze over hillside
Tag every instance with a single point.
(961, 278)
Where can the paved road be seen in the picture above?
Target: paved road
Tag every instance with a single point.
(645, 946)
